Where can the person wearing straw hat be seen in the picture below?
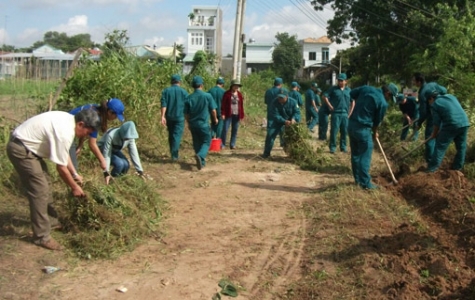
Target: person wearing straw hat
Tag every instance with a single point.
(217, 92)
(284, 112)
(172, 104)
(337, 99)
(199, 106)
(450, 125)
(48, 135)
(410, 110)
(295, 94)
(369, 110)
(311, 106)
(232, 112)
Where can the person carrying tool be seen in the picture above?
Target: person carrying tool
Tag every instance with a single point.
(199, 106)
(368, 112)
(285, 112)
(425, 111)
(172, 103)
(311, 106)
(450, 125)
(337, 99)
(410, 110)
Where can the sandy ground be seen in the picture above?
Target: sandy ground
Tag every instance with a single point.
(239, 220)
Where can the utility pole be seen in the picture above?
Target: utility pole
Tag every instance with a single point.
(241, 41)
(237, 37)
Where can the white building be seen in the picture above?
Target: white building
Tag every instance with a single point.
(258, 56)
(204, 33)
(316, 55)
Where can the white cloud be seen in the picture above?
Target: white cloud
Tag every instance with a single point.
(27, 37)
(75, 25)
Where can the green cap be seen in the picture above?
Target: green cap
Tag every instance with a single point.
(283, 93)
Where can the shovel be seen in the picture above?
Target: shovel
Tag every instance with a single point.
(415, 148)
(387, 162)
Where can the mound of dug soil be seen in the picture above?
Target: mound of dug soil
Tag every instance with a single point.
(435, 262)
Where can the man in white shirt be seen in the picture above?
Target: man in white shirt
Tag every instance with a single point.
(48, 135)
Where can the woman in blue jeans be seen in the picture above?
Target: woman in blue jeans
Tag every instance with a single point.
(112, 144)
(232, 112)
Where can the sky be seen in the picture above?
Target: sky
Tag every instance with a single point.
(154, 22)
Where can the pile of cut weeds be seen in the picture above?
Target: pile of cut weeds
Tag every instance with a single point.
(111, 219)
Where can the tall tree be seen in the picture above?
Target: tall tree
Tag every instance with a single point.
(115, 42)
(287, 56)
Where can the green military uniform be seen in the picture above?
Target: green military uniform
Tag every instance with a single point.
(339, 98)
(311, 115)
(452, 121)
(217, 92)
(280, 113)
(173, 99)
(425, 114)
(198, 107)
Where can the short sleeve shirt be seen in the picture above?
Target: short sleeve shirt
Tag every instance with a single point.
(48, 135)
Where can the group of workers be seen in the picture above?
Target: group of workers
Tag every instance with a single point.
(52, 135)
(355, 112)
(358, 112)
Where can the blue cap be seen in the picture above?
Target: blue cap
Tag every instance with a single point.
(197, 81)
(176, 78)
(278, 81)
(295, 84)
(342, 76)
(283, 93)
(220, 80)
(117, 107)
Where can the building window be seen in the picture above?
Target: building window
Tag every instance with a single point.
(312, 56)
(325, 55)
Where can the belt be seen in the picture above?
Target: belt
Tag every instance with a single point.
(16, 140)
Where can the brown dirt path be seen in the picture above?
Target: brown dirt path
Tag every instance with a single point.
(239, 218)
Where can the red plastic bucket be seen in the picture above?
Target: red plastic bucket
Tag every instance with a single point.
(215, 145)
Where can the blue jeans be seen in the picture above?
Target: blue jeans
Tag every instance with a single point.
(233, 121)
(120, 164)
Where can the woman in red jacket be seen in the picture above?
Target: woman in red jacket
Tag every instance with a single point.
(232, 111)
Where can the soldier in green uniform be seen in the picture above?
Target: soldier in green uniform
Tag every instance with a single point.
(295, 94)
(337, 98)
(284, 112)
(199, 106)
(217, 92)
(450, 125)
(311, 106)
(173, 101)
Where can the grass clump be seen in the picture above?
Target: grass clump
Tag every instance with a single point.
(298, 147)
(111, 219)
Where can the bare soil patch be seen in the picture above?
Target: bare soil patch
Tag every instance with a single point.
(276, 232)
